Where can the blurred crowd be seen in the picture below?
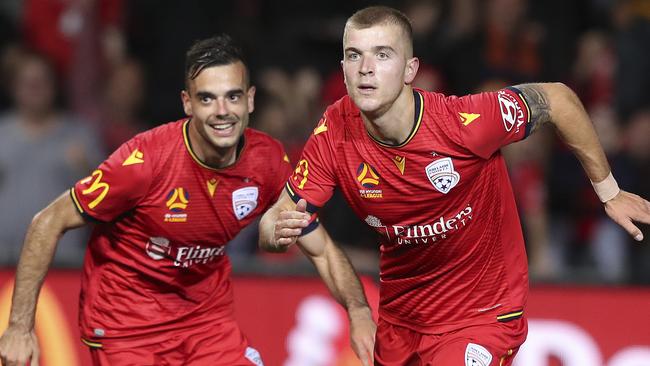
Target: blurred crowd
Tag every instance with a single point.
(80, 77)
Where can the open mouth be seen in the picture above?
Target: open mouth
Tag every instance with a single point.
(223, 128)
(366, 88)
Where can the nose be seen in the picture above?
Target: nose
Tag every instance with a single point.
(367, 66)
(222, 108)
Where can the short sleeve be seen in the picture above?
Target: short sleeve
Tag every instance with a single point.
(489, 121)
(313, 178)
(284, 170)
(117, 185)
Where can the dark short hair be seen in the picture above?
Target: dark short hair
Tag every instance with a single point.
(375, 15)
(215, 51)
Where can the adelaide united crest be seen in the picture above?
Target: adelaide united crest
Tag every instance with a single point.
(244, 201)
(442, 175)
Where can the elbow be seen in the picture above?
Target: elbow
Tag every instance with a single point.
(44, 218)
(561, 93)
(48, 222)
(564, 103)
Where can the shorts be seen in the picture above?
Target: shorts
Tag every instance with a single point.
(211, 344)
(481, 345)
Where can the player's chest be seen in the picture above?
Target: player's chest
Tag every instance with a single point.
(423, 177)
(203, 206)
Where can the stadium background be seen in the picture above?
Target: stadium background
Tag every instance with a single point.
(118, 69)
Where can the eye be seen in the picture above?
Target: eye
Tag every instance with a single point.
(382, 55)
(353, 56)
(234, 97)
(206, 100)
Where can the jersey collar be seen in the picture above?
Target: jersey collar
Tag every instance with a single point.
(186, 138)
(419, 111)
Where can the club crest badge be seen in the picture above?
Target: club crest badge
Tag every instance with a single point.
(244, 201)
(476, 355)
(442, 175)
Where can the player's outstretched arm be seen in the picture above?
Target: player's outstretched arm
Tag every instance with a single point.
(18, 343)
(336, 271)
(282, 224)
(558, 104)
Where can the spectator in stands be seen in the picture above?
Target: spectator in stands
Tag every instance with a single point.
(43, 151)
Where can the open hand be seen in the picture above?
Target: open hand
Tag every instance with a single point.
(362, 334)
(627, 208)
(289, 225)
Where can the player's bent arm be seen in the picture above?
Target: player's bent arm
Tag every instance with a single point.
(282, 224)
(558, 104)
(18, 343)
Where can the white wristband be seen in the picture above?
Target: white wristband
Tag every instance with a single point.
(607, 188)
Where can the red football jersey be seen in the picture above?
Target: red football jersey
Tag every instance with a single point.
(452, 250)
(155, 261)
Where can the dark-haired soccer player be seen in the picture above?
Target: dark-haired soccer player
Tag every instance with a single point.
(156, 284)
(424, 170)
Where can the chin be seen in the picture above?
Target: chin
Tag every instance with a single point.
(224, 144)
(365, 104)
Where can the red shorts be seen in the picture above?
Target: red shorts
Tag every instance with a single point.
(212, 344)
(482, 345)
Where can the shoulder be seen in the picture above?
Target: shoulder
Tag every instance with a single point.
(338, 117)
(341, 111)
(163, 134)
(151, 146)
(261, 144)
(438, 103)
(260, 139)
(160, 140)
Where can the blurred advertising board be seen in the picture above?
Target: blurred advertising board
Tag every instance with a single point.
(293, 321)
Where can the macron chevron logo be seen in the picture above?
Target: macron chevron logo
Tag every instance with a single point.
(136, 157)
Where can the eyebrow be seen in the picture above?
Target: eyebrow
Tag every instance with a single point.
(207, 94)
(375, 49)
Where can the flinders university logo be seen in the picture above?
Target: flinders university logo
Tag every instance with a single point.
(442, 175)
(428, 232)
(368, 179)
(177, 201)
(184, 255)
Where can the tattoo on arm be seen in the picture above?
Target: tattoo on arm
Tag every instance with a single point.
(538, 103)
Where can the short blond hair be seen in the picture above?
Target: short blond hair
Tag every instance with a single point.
(376, 15)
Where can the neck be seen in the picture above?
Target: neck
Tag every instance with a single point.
(210, 155)
(393, 125)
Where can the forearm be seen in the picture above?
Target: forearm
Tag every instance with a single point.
(37, 253)
(558, 105)
(266, 231)
(340, 278)
(40, 243)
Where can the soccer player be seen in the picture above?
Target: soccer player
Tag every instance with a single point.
(156, 282)
(424, 170)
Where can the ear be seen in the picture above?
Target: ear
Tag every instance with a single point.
(411, 69)
(345, 81)
(251, 99)
(187, 105)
